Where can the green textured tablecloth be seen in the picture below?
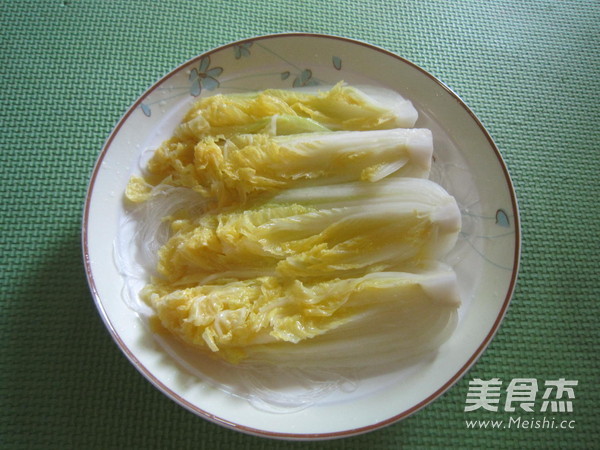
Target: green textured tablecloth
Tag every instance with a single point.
(70, 69)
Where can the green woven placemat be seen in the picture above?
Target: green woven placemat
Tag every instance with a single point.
(70, 69)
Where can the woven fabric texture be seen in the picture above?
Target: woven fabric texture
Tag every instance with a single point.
(530, 70)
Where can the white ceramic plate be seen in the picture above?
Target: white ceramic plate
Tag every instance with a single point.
(467, 164)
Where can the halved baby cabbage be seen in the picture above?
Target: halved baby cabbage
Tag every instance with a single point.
(276, 112)
(321, 231)
(379, 317)
(341, 107)
(246, 165)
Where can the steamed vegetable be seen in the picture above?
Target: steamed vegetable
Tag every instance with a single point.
(275, 113)
(328, 231)
(339, 322)
(246, 165)
(341, 107)
(299, 228)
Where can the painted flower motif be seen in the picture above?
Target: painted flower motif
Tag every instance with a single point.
(242, 50)
(204, 77)
(305, 79)
(337, 62)
(502, 218)
(146, 109)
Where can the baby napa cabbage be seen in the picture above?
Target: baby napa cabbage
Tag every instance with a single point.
(319, 231)
(378, 317)
(279, 112)
(341, 107)
(298, 228)
(231, 170)
(345, 268)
